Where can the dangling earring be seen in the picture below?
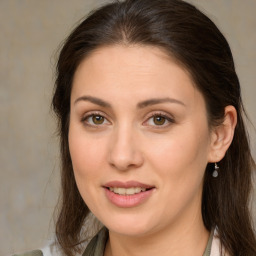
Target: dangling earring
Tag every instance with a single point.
(215, 173)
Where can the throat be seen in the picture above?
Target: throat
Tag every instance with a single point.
(155, 244)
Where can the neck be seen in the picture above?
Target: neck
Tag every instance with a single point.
(178, 240)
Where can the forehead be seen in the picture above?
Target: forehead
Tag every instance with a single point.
(142, 70)
(141, 57)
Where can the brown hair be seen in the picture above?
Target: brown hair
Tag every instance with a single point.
(192, 39)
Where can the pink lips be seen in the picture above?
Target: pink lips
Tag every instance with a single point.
(126, 201)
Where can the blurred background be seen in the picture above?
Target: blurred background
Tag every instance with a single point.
(31, 32)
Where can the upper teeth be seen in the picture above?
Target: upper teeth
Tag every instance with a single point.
(127, 191)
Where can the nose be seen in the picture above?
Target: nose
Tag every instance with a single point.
(125, 152)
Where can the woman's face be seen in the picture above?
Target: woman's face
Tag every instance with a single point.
(139, 140)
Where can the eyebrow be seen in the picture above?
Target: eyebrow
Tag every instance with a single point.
(94, 100)
(155, 101)
(140, 105)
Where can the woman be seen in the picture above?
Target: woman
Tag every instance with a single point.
(153, 141)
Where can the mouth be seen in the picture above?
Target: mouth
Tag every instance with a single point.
(127, 191)
(128, 194)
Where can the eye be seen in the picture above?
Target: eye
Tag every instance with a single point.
(159, 119)
(94, 120)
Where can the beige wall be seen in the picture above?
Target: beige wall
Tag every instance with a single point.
(30, 33)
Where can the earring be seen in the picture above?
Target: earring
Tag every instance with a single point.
(215, 173)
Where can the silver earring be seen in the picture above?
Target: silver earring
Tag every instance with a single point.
(215, 173)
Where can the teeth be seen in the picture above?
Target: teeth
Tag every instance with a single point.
(127, 191)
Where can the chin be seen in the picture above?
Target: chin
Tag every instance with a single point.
(130, 225)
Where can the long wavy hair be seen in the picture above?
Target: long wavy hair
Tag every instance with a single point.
(191, 38)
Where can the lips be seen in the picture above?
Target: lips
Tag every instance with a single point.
(127, 194)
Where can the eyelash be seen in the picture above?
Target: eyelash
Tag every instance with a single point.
(90, 115)
(167, 118)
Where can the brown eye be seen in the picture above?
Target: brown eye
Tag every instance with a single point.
(159, 120)
(97, 119)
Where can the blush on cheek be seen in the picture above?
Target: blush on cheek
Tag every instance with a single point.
(87, 145)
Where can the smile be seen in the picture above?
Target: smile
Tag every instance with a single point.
(127, 191)
(128, 194)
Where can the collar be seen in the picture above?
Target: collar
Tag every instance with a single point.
(97, 245)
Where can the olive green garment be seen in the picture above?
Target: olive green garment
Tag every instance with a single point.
(32, 253)
(97, 245)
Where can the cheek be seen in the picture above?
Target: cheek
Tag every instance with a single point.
(180, 164)
(180, 160)
(86, 154)
(179, 150)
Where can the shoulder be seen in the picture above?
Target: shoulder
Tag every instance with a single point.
(49, 250)
(31, 253)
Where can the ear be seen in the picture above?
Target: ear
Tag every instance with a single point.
(222, 135)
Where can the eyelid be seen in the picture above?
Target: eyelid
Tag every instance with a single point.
(94, 113)
(167, 116)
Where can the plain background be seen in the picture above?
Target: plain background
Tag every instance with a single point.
(31, 31)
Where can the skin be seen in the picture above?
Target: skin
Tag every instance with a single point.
(130, 145)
